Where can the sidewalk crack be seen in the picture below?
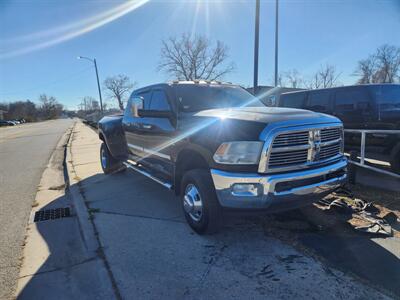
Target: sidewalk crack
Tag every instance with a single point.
(214, 258)
(87, 163)
(142, 216)
(100, 251)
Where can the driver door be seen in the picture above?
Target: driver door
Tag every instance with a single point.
(158, 132)
(134, 126)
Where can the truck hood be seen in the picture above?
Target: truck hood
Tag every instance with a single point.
(268, 115)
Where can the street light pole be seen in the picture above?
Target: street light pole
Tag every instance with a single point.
(276, 40)
(256, 42)
(98, 86)
(97, 77)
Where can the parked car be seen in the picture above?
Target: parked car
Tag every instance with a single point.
(219, 148)
(370, 106)
(3, 123)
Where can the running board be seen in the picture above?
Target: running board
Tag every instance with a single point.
(134, 166)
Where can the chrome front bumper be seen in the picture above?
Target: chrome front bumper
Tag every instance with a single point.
(277, 192)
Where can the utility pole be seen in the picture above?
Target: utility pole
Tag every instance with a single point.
(98, 86)
(256, 42)
(276, 40)
(97, 77)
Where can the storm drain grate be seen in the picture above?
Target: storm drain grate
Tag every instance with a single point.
(52, 214)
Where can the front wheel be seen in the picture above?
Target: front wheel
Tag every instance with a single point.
(108, 163)
(200, 205)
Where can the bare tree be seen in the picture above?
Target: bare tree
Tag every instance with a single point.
(187, 58)
(366, 70)
(325, 77)
(20, 110)
(280, 81)
(293, 79)
(118, 86)
(50, 108)
(388, 61)
(89, 104)
(381, 67)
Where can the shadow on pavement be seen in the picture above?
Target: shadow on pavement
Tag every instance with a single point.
(368, 256)
(153, 252)
(69, 271)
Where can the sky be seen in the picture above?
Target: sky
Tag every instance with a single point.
(41, 39)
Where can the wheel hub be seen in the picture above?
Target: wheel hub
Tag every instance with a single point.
(192, 203)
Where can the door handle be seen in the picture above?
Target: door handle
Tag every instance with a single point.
(146, 126)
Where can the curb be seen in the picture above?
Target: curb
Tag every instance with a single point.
(73, 190)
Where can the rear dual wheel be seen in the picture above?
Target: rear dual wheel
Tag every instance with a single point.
(108, 163)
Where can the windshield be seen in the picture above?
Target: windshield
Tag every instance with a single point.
(199, 97)
(386, 96)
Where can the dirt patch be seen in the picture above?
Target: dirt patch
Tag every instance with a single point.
(386, 205)
(57, 187)
(385, 200)
(329, 235)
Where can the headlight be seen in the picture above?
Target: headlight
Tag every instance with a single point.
(246, 153)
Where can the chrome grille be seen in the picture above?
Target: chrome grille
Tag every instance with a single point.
(279, 159)
(292, 150)
(290, 139)
(330, 134)
(329, 151)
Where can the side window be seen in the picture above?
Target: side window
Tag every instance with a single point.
(351, 99)
(159, 101)
(295, 100)
(318, 101)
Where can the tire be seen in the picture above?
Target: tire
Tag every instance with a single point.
(199, 202)
(395, 159)
(108, 163)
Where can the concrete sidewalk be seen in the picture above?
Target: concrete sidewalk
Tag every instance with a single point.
(151, 253)
(56, 262)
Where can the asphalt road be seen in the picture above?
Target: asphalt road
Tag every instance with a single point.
(24, 153)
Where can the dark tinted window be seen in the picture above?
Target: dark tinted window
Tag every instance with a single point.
(295, 100)
(146, 99)
(386, 96)
(351, 99)
(318, 100)
(196, 97)
(159, 101)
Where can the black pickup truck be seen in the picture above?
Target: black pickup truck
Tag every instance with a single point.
(219, 149)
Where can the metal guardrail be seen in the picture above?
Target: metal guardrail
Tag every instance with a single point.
(362, 164)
